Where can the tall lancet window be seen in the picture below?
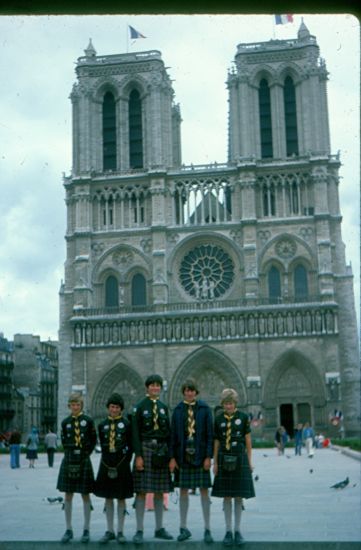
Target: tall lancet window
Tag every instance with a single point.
(139, 290)
(264, 99)
(135, 130)
(300, 282)
(109, 133)
(111, 292)
(274, 285)
(289, 95)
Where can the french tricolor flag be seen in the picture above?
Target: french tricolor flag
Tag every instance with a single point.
(284, 19)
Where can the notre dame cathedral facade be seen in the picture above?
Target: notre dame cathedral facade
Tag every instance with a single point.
(231, 273)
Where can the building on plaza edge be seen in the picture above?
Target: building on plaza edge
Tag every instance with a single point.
(233, 273)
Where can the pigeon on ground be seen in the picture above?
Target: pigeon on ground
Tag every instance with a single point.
(341, 484)
(311, 471)
(256, 478)
(265, 456)
(53, 500)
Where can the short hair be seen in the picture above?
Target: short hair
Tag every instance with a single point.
(229, 394)
(76, 398)
(116, 399)
(190, 385)
(154, 379)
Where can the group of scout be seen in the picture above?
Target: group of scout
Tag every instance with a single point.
(169, 453)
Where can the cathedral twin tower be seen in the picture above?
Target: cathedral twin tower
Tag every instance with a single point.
(232, 273)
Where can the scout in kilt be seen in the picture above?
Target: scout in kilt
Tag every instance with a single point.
(232, 463)
(191, 451)
(150, 435)
(114, 479)
(78, 437)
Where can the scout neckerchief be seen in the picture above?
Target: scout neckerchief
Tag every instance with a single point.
(154, 411)
(77, 430)
(112, 431)
(191, 423)
(228, 429)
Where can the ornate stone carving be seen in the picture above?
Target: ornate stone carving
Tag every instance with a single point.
(122, 258)
(286, 248)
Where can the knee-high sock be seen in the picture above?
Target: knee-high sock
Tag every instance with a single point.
(139, 512)
(121, 515)
(109, 513)
(158, 511)
(68, 507)
(87, 512)
(206, 508)
(237, 513)
(183, 508)
(227, 507)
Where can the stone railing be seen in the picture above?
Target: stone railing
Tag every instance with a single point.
(184, 327)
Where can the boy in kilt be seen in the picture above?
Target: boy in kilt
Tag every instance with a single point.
(151, 435)
(191, 451)
(114, 479)
(232, 464)
(78, 437)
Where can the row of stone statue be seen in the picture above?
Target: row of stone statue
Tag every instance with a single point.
(185, 329)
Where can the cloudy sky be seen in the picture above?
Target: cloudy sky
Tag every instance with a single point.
(38, 55)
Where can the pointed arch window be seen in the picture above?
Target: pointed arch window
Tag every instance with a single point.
(289, 95)
(135, 130)
(274, 285)
(269, 200)
(139, 291)
(109, 133)
(300, 282)
(264, 99)
(111, 292)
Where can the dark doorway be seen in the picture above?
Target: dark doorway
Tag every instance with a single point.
(286, 417)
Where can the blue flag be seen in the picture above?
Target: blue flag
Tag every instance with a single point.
(135, 34)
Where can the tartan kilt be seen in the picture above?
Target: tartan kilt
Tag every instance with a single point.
(238, 483)
(84, 484)
(151, 480)
(192, 477)
(122, 486)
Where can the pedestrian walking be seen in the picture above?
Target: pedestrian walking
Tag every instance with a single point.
(32, 444)
(298, 439)
(232, 463)
(14, 443)
(151, 438)
(78, 437)
(308, 437)
(114, 480)
(51, 444)
(191, 451)
(281, 438)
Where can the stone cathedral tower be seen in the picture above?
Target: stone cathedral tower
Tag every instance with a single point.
(231, 273)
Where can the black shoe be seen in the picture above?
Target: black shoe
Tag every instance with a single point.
(162, 534)
(121, 538)
(108, 535)
(238, 539)
(138, 537)
(85, 537)
(68, 535)
(184, 534)
(228, 539)
(208, 539)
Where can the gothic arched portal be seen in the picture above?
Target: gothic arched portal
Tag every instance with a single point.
(293, 392)
(121, 379)
(213, 371)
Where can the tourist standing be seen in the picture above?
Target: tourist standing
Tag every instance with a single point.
(51, 443)
(191, 451)
(78, 437)
(151, 438)
(14, 443)
(114, 480)
(232, 465)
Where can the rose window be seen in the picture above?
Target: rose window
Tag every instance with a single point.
(206, 272)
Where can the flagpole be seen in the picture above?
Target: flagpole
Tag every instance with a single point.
(127, 37)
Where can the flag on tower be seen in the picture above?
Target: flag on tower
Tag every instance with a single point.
(284, 19)
(135, 34)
